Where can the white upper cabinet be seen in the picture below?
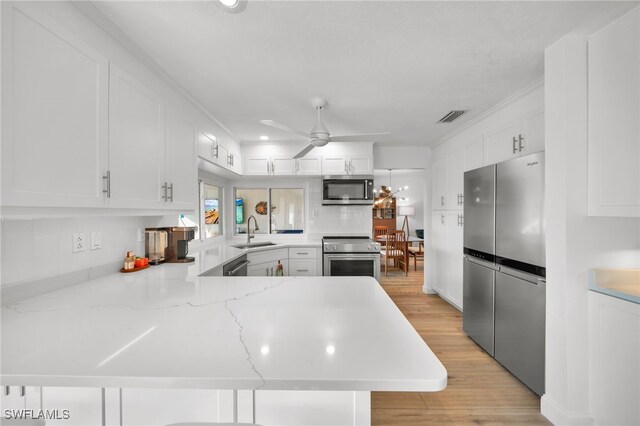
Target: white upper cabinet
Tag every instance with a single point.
(521, 136)
(207, 147)
(256, 164)
(347, 165)
(439, 179)
(54, 114)
(614, 119)
(136, 144)
(360, 165)
(334, 165)
(455, 180)
(283, 165)
(180, 166)
(309, 165)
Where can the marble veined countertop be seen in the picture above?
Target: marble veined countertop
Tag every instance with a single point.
(166, 327)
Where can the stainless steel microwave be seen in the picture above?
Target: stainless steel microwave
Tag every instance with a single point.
(340, 190)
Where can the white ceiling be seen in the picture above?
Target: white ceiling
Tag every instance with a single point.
(383, 65)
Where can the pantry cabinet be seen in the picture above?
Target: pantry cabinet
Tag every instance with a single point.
(136, 144)
(447, 242)
(521, 136)
(614, 119)
(54, 113)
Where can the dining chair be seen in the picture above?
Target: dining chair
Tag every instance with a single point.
(396, 249)
(416, 253)
(378, 231)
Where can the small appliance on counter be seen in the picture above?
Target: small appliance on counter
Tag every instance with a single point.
(155, 243)
(178, 238)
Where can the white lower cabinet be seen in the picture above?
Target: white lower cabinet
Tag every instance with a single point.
(83, 406)
(614, 360)
(268, 269)
(166, 406)
(19, 398)
(447, 246)
(303, 267)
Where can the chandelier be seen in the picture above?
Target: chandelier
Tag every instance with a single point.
(387, 192)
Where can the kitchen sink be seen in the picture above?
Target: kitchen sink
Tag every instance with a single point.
(254, 245)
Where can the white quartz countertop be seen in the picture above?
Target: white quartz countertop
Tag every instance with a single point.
(167, 327)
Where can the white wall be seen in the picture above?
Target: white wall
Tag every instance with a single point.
(575, 241)
(399, 157)
(40, 248)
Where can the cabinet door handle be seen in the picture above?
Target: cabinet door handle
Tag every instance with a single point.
(346, 167)
(107, 179)
(165, 187)
(302, 270)
(520, 145)
(23, 391)
(351, 166)
(214, 151)
(7, 390)
(268, 167)
(272, 271)
(267, 271)
(442, 219)
(273, 167)
(170, 198)
(515, 145)
(442, 201)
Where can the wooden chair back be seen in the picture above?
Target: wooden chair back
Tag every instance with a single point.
(396, 244)
(379, 230)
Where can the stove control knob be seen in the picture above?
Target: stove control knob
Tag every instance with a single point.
(370, 247)
(334, 248)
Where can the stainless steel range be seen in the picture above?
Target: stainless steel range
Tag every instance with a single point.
(350, 256)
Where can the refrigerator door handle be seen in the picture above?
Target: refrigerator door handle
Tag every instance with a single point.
(481, 262)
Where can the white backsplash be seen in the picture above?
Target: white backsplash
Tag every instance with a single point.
(40, 248)
(336, 220)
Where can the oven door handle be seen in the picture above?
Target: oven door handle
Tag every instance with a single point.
(352, 256)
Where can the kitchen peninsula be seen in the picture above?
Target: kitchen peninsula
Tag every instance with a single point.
(129, 340)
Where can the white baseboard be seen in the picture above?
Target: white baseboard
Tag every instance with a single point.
(561, 417)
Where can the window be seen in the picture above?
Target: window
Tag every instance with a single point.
(208, 219)
(276, 210)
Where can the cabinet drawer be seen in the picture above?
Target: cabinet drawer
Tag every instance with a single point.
(303, 253)
(267, 256)
(303, 267)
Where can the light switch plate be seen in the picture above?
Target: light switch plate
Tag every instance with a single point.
(96, 240)
(79, 242)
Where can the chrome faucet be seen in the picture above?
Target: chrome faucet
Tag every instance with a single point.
(249, 236)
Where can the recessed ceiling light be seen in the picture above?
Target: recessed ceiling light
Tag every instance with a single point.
(230, 3)
(232, 6)
(264, 138)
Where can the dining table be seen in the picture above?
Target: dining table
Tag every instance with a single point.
(409, 241)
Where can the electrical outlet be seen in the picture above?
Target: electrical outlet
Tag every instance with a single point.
(79, 241)
(96, 240)
(141, 234)
(315, 213)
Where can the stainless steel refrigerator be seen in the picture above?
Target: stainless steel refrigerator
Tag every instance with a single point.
(504, 268)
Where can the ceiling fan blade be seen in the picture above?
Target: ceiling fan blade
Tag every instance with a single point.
(285, 128)
(364, 137)
(304, 152)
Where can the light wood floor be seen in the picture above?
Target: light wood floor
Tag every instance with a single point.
(479, 391)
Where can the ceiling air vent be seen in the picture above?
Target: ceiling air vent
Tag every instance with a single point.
(451, 115)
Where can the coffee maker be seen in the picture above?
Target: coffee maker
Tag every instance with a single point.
(178, 244)
(155, 245)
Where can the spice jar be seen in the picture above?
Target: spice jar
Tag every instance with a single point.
(129, 261)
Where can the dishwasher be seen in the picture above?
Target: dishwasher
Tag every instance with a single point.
(236, 268)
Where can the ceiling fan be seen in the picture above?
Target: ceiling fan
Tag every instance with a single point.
(319, 135)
